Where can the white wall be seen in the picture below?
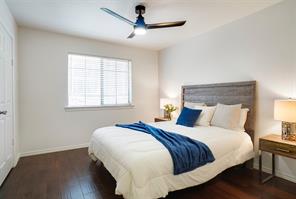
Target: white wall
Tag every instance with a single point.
(7, 20)
(259, 47)
(44, 123)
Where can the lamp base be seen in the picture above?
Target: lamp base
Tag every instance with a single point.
(289, 131)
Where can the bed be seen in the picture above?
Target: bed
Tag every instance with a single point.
(142, 166)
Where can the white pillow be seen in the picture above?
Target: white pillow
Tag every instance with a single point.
(193, 104)
(205, 116)
(227, 116)
(242, 120)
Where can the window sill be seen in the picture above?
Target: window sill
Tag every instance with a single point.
(98, 108)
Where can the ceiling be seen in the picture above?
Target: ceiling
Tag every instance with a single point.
(84, 18)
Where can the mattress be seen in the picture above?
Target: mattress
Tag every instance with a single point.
(143, 168)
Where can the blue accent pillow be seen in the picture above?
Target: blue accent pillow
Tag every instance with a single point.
(188, 117)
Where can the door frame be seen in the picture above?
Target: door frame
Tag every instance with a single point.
(15, 156)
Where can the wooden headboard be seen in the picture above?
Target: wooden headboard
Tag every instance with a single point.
(225, 93)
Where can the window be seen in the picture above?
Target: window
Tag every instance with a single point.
(98, 81)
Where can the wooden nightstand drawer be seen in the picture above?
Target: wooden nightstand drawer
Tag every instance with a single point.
(161, 119)
(279, 148)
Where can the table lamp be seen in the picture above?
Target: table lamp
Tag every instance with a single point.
(285, 111)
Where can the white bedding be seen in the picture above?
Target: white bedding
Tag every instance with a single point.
(143, 168)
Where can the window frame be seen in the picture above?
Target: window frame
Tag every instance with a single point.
(68, 107)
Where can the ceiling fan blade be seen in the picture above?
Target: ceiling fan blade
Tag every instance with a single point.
(114, 14)
(131, 35)
(165, 24)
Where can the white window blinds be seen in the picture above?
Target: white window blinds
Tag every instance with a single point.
(98, 81)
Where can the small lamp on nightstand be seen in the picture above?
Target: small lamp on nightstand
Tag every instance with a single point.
(285, 111)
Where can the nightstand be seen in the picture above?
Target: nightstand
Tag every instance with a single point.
(161, 119)
(276, 146)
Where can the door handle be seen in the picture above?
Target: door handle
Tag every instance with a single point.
(3, 112)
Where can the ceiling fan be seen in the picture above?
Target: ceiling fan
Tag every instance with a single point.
(140, 27)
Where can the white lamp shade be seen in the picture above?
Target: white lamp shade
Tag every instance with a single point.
(164, 101)
(285, 110)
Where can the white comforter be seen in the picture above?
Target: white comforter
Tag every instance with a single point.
(143, 168)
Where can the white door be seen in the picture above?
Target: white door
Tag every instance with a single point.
(6, 111)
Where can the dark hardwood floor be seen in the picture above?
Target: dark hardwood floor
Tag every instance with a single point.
(71, 174)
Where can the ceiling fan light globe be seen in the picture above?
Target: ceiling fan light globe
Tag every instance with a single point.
(140, 31)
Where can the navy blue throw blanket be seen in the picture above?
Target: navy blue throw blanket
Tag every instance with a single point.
(187, 154)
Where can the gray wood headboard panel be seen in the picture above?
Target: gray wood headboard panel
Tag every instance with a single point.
(225, 93)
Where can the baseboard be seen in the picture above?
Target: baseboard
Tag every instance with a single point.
(278, 173)
(54, 149)
(16, 159)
